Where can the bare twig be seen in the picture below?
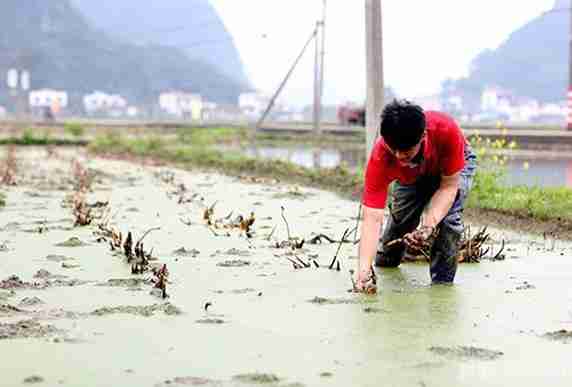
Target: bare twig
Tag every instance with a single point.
(285, 221)
(305, 264)
(498, 255)
(147, 233)
(339, 247)
(271, 233)
(318, 239)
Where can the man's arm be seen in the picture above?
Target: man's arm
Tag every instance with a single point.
(369, 239)
(442, 200)
(440, 204)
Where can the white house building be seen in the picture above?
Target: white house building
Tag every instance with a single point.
(48, 98)
(253, 104)
(182, 105)
(98, 101)
(494, 99)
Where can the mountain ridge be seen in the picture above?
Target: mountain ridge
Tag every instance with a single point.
(62, 50)
(532, 62)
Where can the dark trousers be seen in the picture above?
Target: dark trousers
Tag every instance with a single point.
(407, 205)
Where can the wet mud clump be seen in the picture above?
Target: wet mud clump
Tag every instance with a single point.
(125, 282)
(215, 321)
(9, 310)
(336, 301)
(234, 263)
(44, 274)
(25, 329)
(33, 379)
(145, 310)
(562, 336)
(59, 258)
(31, 301)
(190, 381)
(183, 252)
(72, 242)
(466, 353)
(371, 309)
(14, 282)
(257, 378)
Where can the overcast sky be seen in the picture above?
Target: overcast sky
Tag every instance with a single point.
(424, 41)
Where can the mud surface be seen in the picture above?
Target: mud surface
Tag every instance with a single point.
(466, 353)
(238, 313)
(146, 311)
(562, 335)
(25, 329)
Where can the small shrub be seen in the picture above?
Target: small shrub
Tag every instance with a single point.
(75, 129)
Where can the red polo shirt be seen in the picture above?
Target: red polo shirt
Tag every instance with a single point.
(443, 156)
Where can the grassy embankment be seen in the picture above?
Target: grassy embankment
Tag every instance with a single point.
(34, 136)
(553, 206)
(193, 148)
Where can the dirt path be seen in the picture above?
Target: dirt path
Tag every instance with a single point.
(238, 313)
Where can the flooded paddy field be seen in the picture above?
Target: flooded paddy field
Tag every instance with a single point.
(235, 311)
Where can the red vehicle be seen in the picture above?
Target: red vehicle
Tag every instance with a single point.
(351, 115)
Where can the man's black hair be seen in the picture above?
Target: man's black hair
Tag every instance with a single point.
(402, 124)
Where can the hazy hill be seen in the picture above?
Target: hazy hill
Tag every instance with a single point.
(532, 62)
(62, 50)
(192, 25)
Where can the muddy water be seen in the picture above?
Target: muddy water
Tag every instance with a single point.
(503, 323)
(530, 168)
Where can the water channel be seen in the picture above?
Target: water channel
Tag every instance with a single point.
(548, 169)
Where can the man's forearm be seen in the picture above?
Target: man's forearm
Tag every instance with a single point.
(370, 231)
(441, 203)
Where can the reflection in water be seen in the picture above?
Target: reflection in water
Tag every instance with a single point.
(545, 172)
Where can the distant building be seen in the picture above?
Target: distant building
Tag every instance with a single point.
(496, 99)
(48, 98)
(100, 102)
(181, 105)
(253, 104)
(223, 113)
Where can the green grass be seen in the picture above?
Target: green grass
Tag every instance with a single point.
(542, 203)
(33, 136)
(75, 129)
(2, 199)
(488, 191)
(339, 179)
(209, 136)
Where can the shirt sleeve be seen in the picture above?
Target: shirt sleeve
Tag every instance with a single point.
(376, 180)
(453, 149)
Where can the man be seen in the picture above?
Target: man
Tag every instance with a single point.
(433, 166)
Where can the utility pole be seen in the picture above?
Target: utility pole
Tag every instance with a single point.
(317, 99)
(322, 55)
(374, 54)
(319, 70)
(283, 83)
(569, 126)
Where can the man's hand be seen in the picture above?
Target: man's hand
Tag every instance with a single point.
(366, 281)
(418, 239)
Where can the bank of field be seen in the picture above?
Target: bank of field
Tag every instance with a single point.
(533, 209)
